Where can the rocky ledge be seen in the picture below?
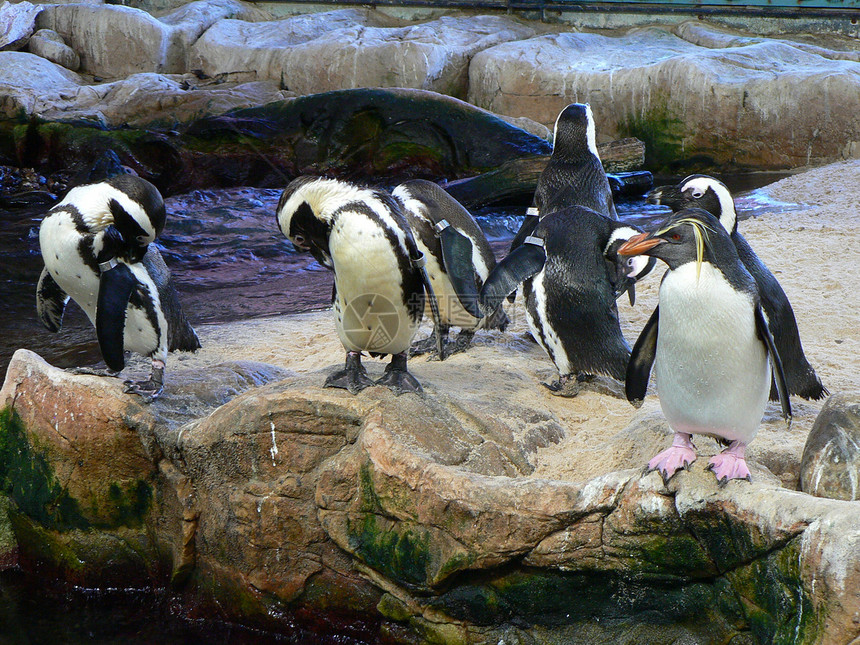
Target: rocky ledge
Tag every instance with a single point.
(255, 489)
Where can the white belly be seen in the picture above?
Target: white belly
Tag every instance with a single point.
(712, 370)
(59, 242)
(369, 310)
(546, 337)
(450, 310)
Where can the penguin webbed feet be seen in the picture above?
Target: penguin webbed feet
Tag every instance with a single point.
(428, 345)
(730, 464)
(570, 385)
(680, 455)
(352, 377)
(150, 389)
(397, 378)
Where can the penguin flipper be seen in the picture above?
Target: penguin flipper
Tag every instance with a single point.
(457, 256)
(642, 359)
(527, 228)
(775, 361)
(115, 288)
(50, 302)
(522, 263)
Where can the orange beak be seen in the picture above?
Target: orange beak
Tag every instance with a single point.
(639, 244)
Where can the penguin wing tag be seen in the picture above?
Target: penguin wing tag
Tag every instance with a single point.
(50, 302)
(775, 361)
(457, 256)
(527, 228)
(115, 289)
(521, 264)
(641, 360)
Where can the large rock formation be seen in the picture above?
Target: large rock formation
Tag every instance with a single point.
(689, 93)
(351, 48)
(831, 457)
(432, 514)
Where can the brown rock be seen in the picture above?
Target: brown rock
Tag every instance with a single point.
(830, 466)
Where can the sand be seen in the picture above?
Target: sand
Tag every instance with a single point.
(810, 240)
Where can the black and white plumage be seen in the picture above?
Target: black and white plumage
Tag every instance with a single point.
(379, 286)
(709, 343)
(712, 195)
(574, 174)
(569, 290)
(459, 260)
(96, 245)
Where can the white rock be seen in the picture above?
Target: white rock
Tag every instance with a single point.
(49, 44)
(763, 102)
(17, 22)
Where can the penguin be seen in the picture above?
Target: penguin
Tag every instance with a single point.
(569, 290)
(97, 248)
(712, 195)
(574, 176)
(709, 342)
(380, 285)
(459, 259)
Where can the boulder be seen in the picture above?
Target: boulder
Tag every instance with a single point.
(17, 22)
(351, 48)
(32, 85)
(116, 41)
(49, 44)
(728, 102)
(831, 457)
(440, 517)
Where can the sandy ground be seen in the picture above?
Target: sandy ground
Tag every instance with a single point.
(811, 242)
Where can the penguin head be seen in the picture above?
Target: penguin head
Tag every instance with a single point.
(301, 223)
(138, 217)
(574, 134)
(683, 237)
(699, 191)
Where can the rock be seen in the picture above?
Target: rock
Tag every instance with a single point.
(354, 48)
(49, 44)
(831, 457)
(147, 44)
(31, 84)
(733, 103)
(17, 22)
(424, 514)
(8, 543)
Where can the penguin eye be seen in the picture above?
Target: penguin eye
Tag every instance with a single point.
(299, 239)
(696, 194)
(676, 237)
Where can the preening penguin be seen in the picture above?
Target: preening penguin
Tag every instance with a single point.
(574, 174)
(459, 260)
(710, 339)
(710, 194)
(379, 284)
(96, 245)
(570, 291)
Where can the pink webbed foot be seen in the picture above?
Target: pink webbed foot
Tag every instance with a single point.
(730, 464)
(680, 455)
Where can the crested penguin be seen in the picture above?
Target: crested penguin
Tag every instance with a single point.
(569, 290)
(709, 342)
(97, 248)
(459, 259)
(712, 195)
(379, 290)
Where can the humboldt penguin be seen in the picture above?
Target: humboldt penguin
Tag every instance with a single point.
(569, 290)
(459, 259)
(97, 248)
(709, 342)
(378, 299)
(574, 176)
(702, 191)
